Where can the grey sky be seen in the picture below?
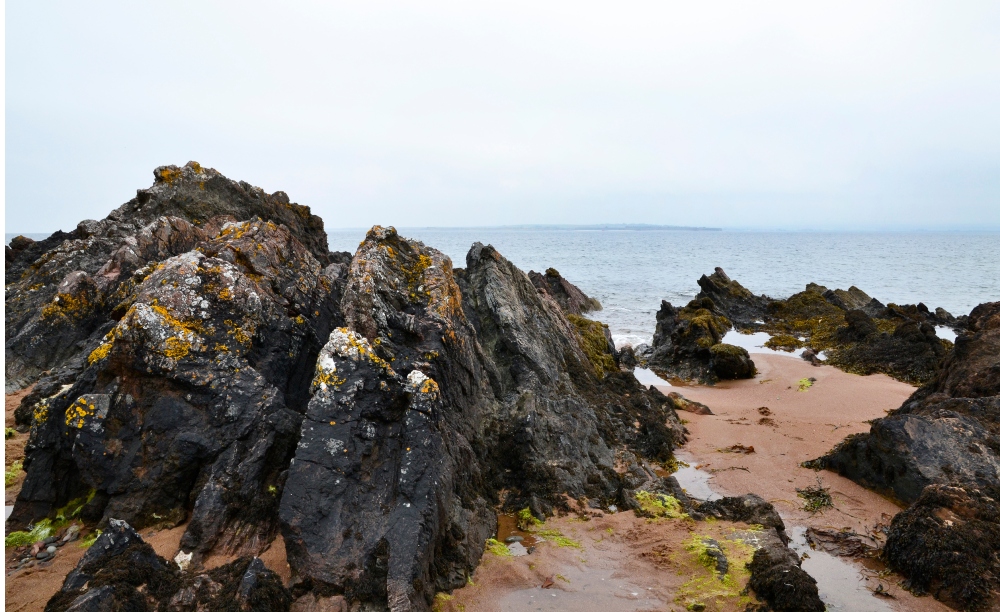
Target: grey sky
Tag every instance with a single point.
(798, 114)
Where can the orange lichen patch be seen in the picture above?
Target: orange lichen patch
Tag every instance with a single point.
(67, 305)
(99, 353)
(226, 294)
(193, 325)
(354, 346)
(300, 320)
(220, 348)
(429, 386)
(41, 412)
(177, 348)
(244, 334)
(78, 412)
(169, 174)
(323, 379)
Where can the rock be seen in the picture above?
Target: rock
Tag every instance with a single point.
(194, 396)
(121, 571)
(567, 295)
(749, 508)
(844, 543)
(679, 402)
(61, 290)
(740, 306)
(940, 451)
(812, 357)
(627, 359)
(946, 544)
(51, 549)
(444, 387)
(512, 539)
(684, 340)
(731, 362)
(852, 299)
(776, 576)
(945, 433)
(41, 556)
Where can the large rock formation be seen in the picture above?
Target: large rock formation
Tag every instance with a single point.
(443, 388)
(62, 289)
(940, 451)
(688, 344)
(199, 359)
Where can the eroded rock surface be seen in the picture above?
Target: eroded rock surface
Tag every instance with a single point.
(121, 572)
(688, 344)
(940, 451)
(566, 294)
(444, 387)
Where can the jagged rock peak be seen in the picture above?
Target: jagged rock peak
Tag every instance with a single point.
(569, 297)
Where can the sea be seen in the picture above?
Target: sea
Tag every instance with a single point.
(631, 271)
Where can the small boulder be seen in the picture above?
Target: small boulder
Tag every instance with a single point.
(731, 362)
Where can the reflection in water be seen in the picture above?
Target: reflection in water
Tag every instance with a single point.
(754, 343)
(648, 377)
(695, 481)
(7, 511)
(945, 333)
(841, 585)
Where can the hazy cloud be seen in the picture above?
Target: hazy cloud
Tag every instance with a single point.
(846, 114)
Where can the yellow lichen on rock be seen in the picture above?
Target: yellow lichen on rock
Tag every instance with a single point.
(78, 412)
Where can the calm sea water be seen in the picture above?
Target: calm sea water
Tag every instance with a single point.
(630, 272)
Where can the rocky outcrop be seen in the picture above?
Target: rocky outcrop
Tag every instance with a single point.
(940, 452)
(947, 432)
(688, 344)
(946, 544)
(566, 294)
(744, 309)
(777, 577)
(189, 407)
(62, 289)
(121, 572)
(443, 388)
(231, 376)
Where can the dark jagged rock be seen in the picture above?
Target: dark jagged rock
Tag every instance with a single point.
(947, 544)
(191, 402)
(688, 344)
(444, 387)
(940, 451)
(741, 307)
(61, 289)
(749, 508)
(566, 294)
(947, 432)
(776, 576)
(121, 572)
(857, 333)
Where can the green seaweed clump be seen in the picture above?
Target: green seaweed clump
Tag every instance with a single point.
(817, 497)
(41, 530)
(10, 475)
(559, 539)
(658, 505)
(783, 342)
(526, 520)
(9, 432)
(498, 548)
(805, 383)
(595, 344)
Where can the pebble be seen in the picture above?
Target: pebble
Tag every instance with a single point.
(513, 539)
(51, 550)
(43, 555)
(49, 540)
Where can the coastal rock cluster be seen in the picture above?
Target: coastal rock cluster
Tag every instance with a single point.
(854, 331)
(940, 453)
(200, 359)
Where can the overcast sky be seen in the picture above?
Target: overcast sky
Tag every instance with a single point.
(735, 114)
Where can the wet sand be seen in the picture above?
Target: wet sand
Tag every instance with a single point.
(786, 426)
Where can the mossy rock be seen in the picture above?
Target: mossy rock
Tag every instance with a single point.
(731, 362)
(595, 344)
(783, 342)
